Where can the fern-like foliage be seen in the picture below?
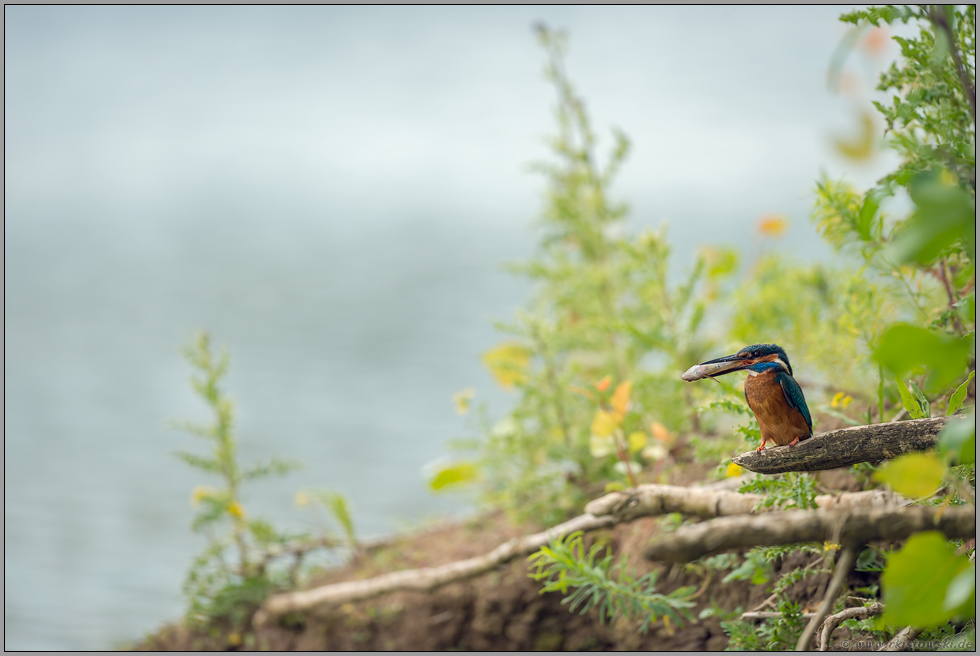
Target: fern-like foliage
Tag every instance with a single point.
(587, 581)
(792, 490)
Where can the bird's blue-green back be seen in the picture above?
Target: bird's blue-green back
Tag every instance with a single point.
(794, 396)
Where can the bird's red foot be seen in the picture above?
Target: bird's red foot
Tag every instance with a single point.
(795, 441)
(760, 447)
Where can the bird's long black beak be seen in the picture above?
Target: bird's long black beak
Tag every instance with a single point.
(717, 367)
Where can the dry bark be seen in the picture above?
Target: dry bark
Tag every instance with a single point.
(705, 503)
(846, 526)
(848, 446)
(902, 641)
(833, 621)
(425, 578)
(843, 568)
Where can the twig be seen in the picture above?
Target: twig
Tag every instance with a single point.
(840, 573)
(852, 525)
(299, 549)
(847, 446)
(768, 615)
(902, 640)
(833, 621)
(771, 600)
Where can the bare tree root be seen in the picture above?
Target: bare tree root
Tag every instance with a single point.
(848, 446)
(425, 578)
(845, 526)
(833, 621)
(902, 640)
(604, 512)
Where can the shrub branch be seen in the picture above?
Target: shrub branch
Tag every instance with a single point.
(845, 447)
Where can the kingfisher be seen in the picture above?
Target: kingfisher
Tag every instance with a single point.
(771, 391)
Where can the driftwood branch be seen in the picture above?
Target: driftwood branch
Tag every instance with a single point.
(833, 621)
(645, 500)
(902, 641)
(853, 525)
(848, 446)
(844, 565)
(604, 512)
(425, 578)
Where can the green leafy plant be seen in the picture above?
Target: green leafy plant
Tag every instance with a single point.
(784, 491)
(779, 634)
(603, 305)
(926, 583)
(241, 565)
(566, 564)
(931, 121)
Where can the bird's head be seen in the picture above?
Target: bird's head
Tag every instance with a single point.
(758, 358)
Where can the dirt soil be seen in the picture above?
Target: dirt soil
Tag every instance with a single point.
(502, 609)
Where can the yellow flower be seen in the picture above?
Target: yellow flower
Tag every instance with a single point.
(773, 225)
(733, 470)
(830, 546)
(841, 400)
(235, 510)
(302, 499)
(234, 639)
(200, 493)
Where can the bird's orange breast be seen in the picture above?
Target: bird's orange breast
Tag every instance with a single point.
(779, 422)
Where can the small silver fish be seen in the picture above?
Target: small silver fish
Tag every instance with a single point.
(706, 370)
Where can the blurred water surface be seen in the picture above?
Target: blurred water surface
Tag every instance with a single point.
(330, 191)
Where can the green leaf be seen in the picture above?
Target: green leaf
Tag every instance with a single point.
(956, 400)
(945, 213)
(867, 214)
(869, 561)
(921, 398)
(263, 532)
(458, 474)
(917, 578)
(904, 348)
(962, 588)
(274, 467)
(909, 401)
(194, 460)
(914, 475)
(959, 440)
(336, 504)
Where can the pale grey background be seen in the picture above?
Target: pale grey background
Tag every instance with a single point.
(330, 191)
